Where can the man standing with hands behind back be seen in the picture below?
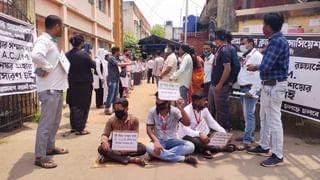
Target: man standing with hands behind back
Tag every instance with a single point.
(52, 79)
(273, 73)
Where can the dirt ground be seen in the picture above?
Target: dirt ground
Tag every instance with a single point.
(302, 161)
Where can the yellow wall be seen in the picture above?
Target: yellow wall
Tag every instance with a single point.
(302, 21)
(117, 24)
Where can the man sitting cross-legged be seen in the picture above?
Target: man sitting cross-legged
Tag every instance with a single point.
(202, 124)
(162, 126)
(121, 121)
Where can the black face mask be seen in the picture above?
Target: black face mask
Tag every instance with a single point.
(120, 114)
(161, 106)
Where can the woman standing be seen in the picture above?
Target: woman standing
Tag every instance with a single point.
(80, 85)
(197, 73)
(100, 77)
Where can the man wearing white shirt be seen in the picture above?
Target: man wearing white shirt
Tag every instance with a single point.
(201, 123)
(250, 84)
(208, 53)
(150, 65)
(52, 79)
(184, 74)
(170, 64)
(158, 65)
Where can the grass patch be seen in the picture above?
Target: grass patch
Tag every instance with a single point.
(36, 117)
(312, 141)
(3, 141)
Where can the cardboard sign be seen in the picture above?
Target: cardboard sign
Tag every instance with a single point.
(169, 91)
(220, 139)
(64, 62)
(124, 140)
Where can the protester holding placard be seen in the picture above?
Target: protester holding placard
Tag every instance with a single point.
(250, 84)
(121, 121)
(162, 125)
(202, 125)
(52, 79)
(273, 73)
(184, 74)
(80, 85)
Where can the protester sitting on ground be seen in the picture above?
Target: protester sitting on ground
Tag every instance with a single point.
(121, 121)
(201, 127)
(162, 125)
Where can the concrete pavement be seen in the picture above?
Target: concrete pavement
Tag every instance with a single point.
(302, 161)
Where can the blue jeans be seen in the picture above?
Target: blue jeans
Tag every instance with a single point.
(249, 108)
(184, 95)
(112, 92)
(174, 150)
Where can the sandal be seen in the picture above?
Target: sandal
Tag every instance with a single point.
(140, 161)
(84, 132)
(57, 151)
(242, 147)
(45, 163)
(102, 160)
(230, 148)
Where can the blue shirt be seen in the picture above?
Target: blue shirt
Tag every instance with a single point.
(275, 62)
(222, 57)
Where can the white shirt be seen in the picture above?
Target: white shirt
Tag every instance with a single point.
(208, 68)
(203, 115)
(172, 62)
(246, 77)
(184, 74)
(158, 64)
(150, 64)
(46, 55)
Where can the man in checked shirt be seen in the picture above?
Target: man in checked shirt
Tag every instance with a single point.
(273, 73)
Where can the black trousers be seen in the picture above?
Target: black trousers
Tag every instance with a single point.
(78, 117)
(150, 76)
(121, 89)
(99, 97)
(123, 159)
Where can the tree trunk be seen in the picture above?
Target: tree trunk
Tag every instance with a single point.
(226, 15)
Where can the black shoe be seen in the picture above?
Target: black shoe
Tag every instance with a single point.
(207, 154)
(258, 151)
(272, 161)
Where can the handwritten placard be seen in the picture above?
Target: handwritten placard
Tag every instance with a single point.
(64, 62)
(220, 139)
(169, 91)
(124, 140)
(203, 127)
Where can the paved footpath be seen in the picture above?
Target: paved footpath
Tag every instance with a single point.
(302, 161)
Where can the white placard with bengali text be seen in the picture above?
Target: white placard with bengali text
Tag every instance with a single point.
(64, 62)
(220, 139)
(124, 140)
(169, 91)
(203, 127)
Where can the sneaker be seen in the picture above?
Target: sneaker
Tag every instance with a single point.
(258, 151)
(272, 161)
(191, 160)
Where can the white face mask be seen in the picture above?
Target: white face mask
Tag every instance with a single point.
(243, 49)
(166, 50)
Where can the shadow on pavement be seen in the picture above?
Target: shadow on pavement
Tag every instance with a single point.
(23, 167)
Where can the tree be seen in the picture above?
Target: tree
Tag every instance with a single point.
(158, 30)
(131, 42)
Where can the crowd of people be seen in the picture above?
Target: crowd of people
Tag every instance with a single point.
(205, 81)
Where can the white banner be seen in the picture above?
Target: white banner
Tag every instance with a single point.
(302, 97)
(16, 67)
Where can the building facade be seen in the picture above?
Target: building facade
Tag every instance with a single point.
(94, 19)
(134, 21)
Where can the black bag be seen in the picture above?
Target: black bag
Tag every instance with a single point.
(123, 72)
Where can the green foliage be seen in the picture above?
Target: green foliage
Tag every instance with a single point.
(158, 30)
(36, 117)
(131, 42)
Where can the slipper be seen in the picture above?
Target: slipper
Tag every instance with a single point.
(45, 163)
(231, 148)
(84, 132)
(57, 151)
(242, 147)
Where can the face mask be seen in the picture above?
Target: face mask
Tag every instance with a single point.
(205, 53)
(166, 50)
(120, 114)
(161, 106)
(243, 49)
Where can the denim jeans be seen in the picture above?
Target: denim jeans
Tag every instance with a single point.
(174, 150)
(218, 105)
(249, 108)
(270, 117)
(112, 92)
(184, 95)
